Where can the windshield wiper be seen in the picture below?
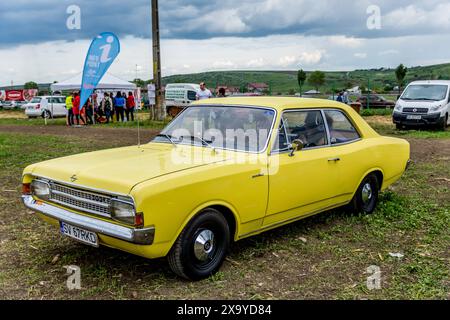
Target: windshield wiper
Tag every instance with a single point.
(203, 141)
(426, 99)
(168, 137)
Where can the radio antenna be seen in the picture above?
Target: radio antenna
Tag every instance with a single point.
(139, 126)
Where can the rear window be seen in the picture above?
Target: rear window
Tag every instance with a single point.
(36, 100)
(341, 129)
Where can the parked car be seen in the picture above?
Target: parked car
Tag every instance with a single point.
(375, 102)
(424, 103)
(46, 107)
(9, 105)
(179, 96)
(204, 181)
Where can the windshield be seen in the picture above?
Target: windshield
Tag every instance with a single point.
(425, 92)
(235, 128)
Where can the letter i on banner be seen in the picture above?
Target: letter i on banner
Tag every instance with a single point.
(103, 51)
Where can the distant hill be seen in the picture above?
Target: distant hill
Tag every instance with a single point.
(285, 82)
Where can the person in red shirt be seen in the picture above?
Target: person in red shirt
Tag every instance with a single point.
(131, 104)
(76, 108)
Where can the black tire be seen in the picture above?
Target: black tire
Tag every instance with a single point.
(443, 125)
(46, 114)
(398, 126)
(366, 197)
(192, 264)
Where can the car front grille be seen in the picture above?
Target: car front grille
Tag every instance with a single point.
(81, 200)
(415, 110)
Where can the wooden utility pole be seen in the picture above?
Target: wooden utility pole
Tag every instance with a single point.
(159, 112)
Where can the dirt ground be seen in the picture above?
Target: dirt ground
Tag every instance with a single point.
(123, 136)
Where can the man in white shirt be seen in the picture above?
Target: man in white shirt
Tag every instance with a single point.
(203, 93)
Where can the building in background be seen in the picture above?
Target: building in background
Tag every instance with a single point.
(258, 87)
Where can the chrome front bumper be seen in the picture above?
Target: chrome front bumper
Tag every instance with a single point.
(136, 236)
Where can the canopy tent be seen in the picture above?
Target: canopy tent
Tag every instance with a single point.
(108, 82)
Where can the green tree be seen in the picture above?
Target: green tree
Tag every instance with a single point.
(139, 82)
(301, 78)
(31, 85)
(400, 74)
(317, 79)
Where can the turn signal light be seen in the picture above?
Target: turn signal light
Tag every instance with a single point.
(139, 220)
(26, 189)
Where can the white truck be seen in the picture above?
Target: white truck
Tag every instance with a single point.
(179, 96)
(423, 103)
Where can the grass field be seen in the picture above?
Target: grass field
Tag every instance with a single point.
(323, 257)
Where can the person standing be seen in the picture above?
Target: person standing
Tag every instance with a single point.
(339, 98)
(89, 109)
(119, 103)
(345, 98)
(76, 108)
(69, 107)
(203, 93)
(131, 104)
(222, 93)
(107, 107)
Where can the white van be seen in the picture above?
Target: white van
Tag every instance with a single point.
(46, 107)
(179, 96)
(424, 103)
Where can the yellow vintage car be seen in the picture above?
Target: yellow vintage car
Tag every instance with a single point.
(223, 170)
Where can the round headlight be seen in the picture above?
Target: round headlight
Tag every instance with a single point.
(40, 189)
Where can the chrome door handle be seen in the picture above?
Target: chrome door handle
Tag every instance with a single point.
(334, 159)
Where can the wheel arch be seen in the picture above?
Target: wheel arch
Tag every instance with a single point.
(228, 211)
(379, 173)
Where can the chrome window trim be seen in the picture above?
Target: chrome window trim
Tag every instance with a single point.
(231, 106)
(322, 110)
(360, 136)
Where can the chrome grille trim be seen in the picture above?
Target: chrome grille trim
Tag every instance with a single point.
(84, 201)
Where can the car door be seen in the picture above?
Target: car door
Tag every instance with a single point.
(306, 181)
(353, 155)
(59, 106)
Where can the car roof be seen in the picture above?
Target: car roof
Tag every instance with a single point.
(441, 82)
(278, 103)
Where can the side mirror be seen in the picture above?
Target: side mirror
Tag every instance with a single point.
(296, 145)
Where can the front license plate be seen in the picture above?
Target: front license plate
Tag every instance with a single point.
(79, 234)
(413, 117)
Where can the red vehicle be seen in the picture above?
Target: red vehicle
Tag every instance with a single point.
(375, 102)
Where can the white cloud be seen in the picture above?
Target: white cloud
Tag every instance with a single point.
(311, 58)
(360, 55)
(59, 60)
(256, 63)
(348, 42)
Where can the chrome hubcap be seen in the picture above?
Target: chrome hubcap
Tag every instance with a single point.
(366, 193)
(204, 245)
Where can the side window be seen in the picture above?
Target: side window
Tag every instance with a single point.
(192, 95)
(307, 126)
(341, 129)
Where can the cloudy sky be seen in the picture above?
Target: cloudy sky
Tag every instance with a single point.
(36, 43)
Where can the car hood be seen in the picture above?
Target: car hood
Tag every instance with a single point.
(119, 170)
